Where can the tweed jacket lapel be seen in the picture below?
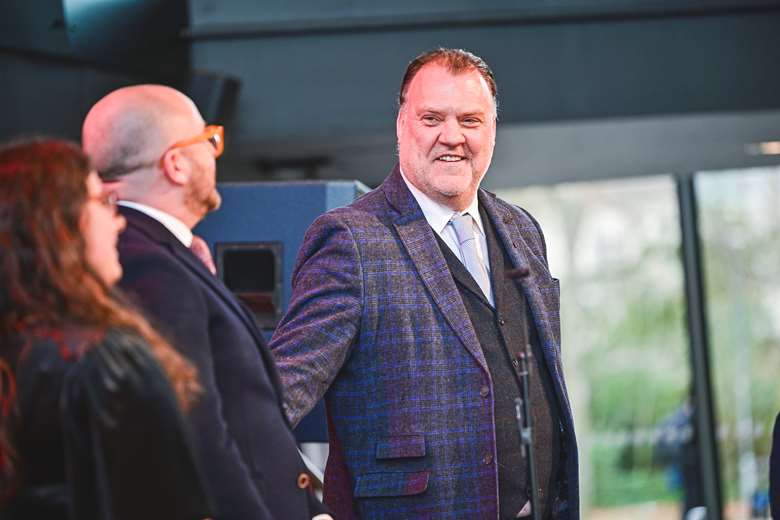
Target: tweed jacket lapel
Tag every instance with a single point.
(420, 243)
(535, 286)
(460, 273)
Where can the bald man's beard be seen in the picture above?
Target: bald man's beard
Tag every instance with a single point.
(202, 197)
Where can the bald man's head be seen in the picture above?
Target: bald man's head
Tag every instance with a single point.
(130, 128)
(134, 136)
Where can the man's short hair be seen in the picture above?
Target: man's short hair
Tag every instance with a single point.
(456, 61)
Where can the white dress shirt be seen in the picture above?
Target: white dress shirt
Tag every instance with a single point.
(438, 216)
(171, 223)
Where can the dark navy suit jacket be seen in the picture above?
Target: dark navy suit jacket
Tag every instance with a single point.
(245, 444)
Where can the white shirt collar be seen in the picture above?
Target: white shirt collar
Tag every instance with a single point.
(171, 223)
(438, 215)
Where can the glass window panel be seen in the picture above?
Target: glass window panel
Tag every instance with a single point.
(740, 221)
(615, 246)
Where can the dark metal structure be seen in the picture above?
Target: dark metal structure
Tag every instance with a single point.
(703, 399)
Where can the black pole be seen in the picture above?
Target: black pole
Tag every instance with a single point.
(703, 398)
(525, 426)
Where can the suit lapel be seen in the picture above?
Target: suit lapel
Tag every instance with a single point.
(159, 234)
(495, 258)
(200, 270)
(537, 281)
(196, 266)
(418, 238)
(459, 271)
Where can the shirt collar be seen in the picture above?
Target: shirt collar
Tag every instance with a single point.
(178, 228)
(438, 215)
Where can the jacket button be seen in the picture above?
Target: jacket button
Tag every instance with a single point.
(487, 459)
(303, 481)
(484, 391)
(501, 321)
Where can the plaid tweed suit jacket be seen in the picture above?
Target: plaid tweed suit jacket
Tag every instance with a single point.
(377, 325)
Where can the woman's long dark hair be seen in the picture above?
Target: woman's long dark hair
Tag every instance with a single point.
(45, 279)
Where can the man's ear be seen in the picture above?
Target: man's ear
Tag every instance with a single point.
(399, 122)
(176, 167)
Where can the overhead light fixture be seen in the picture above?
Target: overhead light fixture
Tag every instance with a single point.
(765, 148)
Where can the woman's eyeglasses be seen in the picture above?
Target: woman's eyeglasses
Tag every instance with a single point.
(109, 200)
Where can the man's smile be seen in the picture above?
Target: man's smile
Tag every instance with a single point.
(450, 158)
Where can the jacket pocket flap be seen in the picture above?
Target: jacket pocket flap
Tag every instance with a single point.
(401, 447)
(391, 484)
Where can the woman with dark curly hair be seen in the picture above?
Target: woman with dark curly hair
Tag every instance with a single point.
(90, 395)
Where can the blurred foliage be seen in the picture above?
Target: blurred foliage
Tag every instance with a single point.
(638, 376)
(740, 229)
(643, 483)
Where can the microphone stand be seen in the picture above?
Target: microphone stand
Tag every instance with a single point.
(526, 429)
(523, 414)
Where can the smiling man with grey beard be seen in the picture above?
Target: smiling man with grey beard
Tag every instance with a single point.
(404, 318)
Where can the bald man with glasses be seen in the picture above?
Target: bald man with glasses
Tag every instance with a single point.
(152, 147)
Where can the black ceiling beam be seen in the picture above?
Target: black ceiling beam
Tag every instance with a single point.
(535, 14)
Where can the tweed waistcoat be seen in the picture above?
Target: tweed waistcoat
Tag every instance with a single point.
(501, 332)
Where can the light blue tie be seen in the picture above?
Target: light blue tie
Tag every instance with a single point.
(468, 244)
